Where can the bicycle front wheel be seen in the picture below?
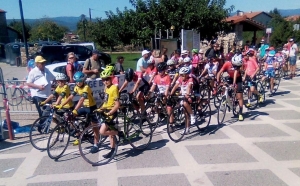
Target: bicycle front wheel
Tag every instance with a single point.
(40, 132)
(222, 110)
(99, 157)
(176, 129)
(139, 132)
(14, 96)
(203, 118)
(58, 141)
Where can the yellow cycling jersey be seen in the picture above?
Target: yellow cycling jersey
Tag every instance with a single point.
(87, 93)
(111, 95)
(64, 92)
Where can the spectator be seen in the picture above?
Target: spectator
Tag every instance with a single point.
(212, 52)
(92, 66)
(39, 81)
(119, 65)
(262, 49)
(141, 65)
(293, 57)
(72, 66)
(164, 56)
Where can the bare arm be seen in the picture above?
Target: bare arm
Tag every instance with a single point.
(67, 100)
(123, 86)
(115, 108)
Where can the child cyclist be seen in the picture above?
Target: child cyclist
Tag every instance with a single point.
(185, 82)
(270, 69)
(110, 68)
(151, 70)
(140, 84)
(250, 74)
(110, 107)
(172, 71)
(86, 104)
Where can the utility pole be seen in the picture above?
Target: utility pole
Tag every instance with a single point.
(90, 13)
(23, 29)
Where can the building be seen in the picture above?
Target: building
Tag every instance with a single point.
(250, 21)
(7, 34)
(293, 18)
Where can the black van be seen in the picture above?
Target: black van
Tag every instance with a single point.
(58, 53)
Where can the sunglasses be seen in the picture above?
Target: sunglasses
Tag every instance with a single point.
(105, 79)
(71, 57)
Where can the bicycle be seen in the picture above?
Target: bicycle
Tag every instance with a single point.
(228, 101)
(16, 95)
(68, 126)
(252, 100)
(136, 132)
(266, 83)
(41, 129)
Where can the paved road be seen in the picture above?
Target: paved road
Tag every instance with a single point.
(262, 150)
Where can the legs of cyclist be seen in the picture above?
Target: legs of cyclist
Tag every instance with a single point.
(106, 131)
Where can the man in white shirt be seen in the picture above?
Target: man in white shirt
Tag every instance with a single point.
(141, 65)
(293, 57)
(39, 82)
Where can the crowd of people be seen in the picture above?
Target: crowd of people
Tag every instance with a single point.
(164, 74)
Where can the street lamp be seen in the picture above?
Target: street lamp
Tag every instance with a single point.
(83, 19)
(172, 30)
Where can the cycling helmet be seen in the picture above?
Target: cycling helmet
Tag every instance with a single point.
(129, 74)
(161, 66)
(237, 60)
(272, 53)
(170, 62)
(110, 67)
(250, 52)
(184, 70)
(229, 56)
(61, 77)
(150, 61)
(195, 51)
(106, 74)
(79, 77)
(187, 60)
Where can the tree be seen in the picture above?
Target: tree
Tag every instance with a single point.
(17, 25)
(47, 29)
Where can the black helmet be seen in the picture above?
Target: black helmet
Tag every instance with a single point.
(129, 74)
(161, 66)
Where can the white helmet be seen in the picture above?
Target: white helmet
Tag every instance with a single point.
(237, 60)
(61, 77)
(150, 61)
(170, 62)
(184, 70)
(187, 60)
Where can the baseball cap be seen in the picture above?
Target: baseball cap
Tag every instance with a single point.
(291, 40)
(184, 52)
(262, 41)
(145, 52)
(96, 52)
(39, 59)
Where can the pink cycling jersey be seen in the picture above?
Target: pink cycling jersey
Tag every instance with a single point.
(195, 60)
(163, 83)
(251, 66)
(184, 84)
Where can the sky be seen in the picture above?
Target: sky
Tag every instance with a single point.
(33, 9)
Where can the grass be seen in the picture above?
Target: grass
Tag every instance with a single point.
(130, 59)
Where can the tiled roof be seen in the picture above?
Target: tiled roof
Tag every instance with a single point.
(246, 17)
(292, 18)
(2, 11)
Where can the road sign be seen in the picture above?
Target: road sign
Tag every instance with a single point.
(269, 30)
(296, 27)
(190, 39)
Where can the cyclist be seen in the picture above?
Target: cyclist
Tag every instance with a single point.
(172, 71)
(110, 107)
(86, 104)
(233, 70)
(185, 82)
(62, 92)
(250, 74)
(187, 63)
(270, 69)
(110, 69)
(140, 84)
(195, 60)
(211, 69)
(151, 70)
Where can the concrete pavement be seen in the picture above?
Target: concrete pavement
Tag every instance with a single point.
(262, 150)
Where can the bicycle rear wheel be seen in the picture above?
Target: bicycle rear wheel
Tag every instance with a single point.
(150, 114)
(14, 96)
(175, 130)
(276, 84)
(98, 158)
(139, 132)
(58, 141)
(40, 132)
(222, 110)
(250, 99)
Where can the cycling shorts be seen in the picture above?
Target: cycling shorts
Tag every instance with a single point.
(251, 82)
(83, 111)
(145, 89)
(239, 83)
(270, 73)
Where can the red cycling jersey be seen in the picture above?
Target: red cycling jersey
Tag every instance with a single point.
(228, 67)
